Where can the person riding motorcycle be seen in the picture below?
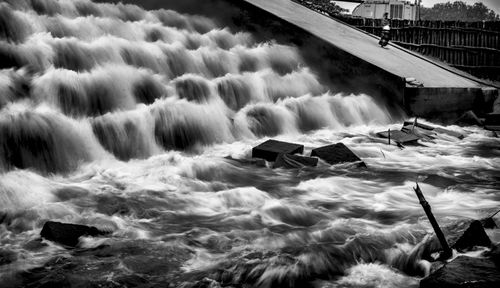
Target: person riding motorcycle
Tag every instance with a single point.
(386, 31)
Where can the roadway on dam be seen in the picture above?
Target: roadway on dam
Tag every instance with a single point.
(392, 59)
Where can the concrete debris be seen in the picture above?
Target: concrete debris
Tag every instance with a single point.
(399, 136)
(270, 149)
(335, 154)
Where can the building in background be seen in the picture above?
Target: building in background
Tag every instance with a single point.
(397, 9)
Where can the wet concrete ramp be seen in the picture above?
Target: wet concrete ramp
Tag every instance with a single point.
(443, 89)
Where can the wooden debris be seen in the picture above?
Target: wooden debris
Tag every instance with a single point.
(399, 136)
(447, 252)
(436, 130)
(464, 272)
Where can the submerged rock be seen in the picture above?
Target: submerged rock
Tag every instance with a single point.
(465, 272)
(469, 118)
(270, 149)
(67, 234)
(7, 257)
(294, 161)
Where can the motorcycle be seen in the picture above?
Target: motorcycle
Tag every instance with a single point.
(386, 36)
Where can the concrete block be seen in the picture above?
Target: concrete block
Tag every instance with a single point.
(335, 154)
(270, 149)
(294, 161)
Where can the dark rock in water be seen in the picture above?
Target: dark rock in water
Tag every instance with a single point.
(465, 272)
(399, 136)
(473, 236)
(494, 255)
(294, 161)
(270, 149)
(335, 154)
(489, 223)
(492, 122)
(469, 118)
(7, 257)
(67, 234)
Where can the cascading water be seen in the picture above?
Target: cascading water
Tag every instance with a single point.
(121, 118)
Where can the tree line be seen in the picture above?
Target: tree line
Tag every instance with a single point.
(459, 11)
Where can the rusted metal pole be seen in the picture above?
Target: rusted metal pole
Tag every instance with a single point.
(447, 252)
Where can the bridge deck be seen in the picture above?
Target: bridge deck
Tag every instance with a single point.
(396, 61)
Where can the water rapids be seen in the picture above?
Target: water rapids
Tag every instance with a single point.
(121, 118)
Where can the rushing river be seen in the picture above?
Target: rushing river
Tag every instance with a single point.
(123, 119)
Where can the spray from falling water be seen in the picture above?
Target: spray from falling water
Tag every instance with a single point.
(147, 82)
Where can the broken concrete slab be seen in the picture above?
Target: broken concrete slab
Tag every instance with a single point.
(67, 234)
(425, 129)
(418, 124)
(335, 154)
(421, 133)
(473, 236)
(270, 149)
(294, 161)
(464, 272)
(399, 136)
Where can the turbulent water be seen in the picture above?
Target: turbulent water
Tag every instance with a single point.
(123, 119)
